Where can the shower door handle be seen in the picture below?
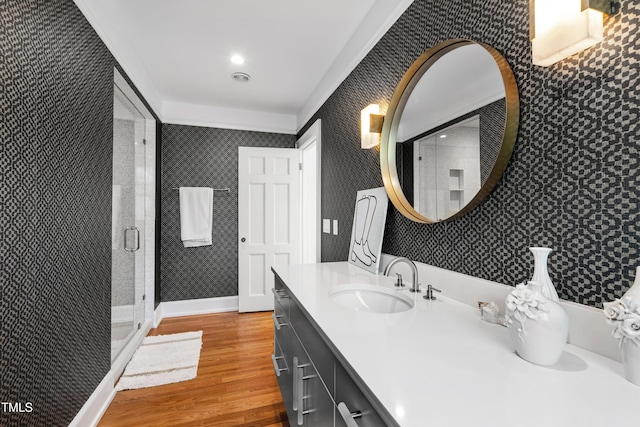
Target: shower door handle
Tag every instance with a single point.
(137, 239)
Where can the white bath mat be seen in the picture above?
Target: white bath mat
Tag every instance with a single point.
(163, 359)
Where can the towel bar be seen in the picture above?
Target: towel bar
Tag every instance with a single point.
(215, 189)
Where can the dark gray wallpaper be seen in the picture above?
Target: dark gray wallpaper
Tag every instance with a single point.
(56, 102)
(571, 183)
(204, 157)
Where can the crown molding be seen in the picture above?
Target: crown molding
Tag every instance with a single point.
(125, 56)
(378, 21)
(227, 118)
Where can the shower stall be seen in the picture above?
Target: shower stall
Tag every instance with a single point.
(132, 192)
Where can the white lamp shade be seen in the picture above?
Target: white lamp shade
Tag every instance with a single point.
(368, 139)
(562, 30)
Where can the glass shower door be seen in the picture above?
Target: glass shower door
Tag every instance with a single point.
(127, 245)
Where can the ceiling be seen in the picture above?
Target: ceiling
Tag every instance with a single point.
(297, 52)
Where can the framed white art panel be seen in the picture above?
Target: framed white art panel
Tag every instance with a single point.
(368, 229)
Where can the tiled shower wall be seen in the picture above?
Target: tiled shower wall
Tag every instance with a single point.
(204, 157)
(122, 281)
(491, 118)
(571, 183)
(56, 114)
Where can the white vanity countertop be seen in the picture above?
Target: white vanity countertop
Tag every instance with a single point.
(438, 364)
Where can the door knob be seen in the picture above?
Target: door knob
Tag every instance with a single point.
(243, 240)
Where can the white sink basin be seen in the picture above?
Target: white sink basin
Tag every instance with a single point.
(370, 298)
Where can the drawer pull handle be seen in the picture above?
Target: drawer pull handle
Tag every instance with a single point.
(301, 397)
(279, 294)
(298, 390)
(277, 324)
(347, 415)
(298, 373)
(277, 368)
(295, 383)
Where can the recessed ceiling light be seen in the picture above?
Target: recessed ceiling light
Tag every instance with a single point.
(443, 136)
(241, 77)
(237, 59)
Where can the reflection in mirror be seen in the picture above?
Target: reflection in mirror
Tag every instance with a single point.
(440, 144)
(449, 137)
(447, 167)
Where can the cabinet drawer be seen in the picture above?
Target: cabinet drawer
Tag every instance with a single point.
(280, 316)
(312, 402)
(348, 392)
(284, 375)
(281, 296)
(323, 358)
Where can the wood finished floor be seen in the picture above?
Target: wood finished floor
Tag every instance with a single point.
(235, 385)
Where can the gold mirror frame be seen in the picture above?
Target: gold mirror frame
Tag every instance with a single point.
(394, 114)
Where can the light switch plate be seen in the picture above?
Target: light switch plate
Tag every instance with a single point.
(335, 227)
(326, 226)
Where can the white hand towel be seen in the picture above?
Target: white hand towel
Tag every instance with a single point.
(196, 216)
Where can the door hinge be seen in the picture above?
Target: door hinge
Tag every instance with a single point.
(144, 297)
(139, 325)
(300, 166)
(144, 141)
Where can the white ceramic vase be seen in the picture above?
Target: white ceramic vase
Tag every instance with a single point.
(631, 360)
(541, 273)
(538, 326)
(630, 348)
(624, 315)
(634, 291)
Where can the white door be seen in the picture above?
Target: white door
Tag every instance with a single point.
(268, 221)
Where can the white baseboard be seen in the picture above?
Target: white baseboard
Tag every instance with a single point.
(97, 404)
(157, 316)
(195, 307)
(95, 407)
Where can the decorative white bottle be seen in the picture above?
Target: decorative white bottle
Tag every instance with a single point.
(634, 291)
(624, 315)
(541, 273)
(538, 326)
(631, 360)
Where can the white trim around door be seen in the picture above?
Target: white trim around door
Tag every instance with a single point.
(310, 145)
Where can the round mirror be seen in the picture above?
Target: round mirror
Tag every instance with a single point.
(449, 131)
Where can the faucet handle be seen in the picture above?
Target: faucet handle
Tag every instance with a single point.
(429, 294)
(399, 282)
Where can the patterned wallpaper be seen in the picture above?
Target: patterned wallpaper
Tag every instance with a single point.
(204, 157)
(571, 183)
(55, 166)
(56, 110)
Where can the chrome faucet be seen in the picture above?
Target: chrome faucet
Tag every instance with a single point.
(415, 287)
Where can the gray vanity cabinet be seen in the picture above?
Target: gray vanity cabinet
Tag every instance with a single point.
(349, 394)
(281, 358)
(304, 392)
(316, 387)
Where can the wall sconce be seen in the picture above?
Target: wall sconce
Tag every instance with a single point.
(370, 126)
(561, 28)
